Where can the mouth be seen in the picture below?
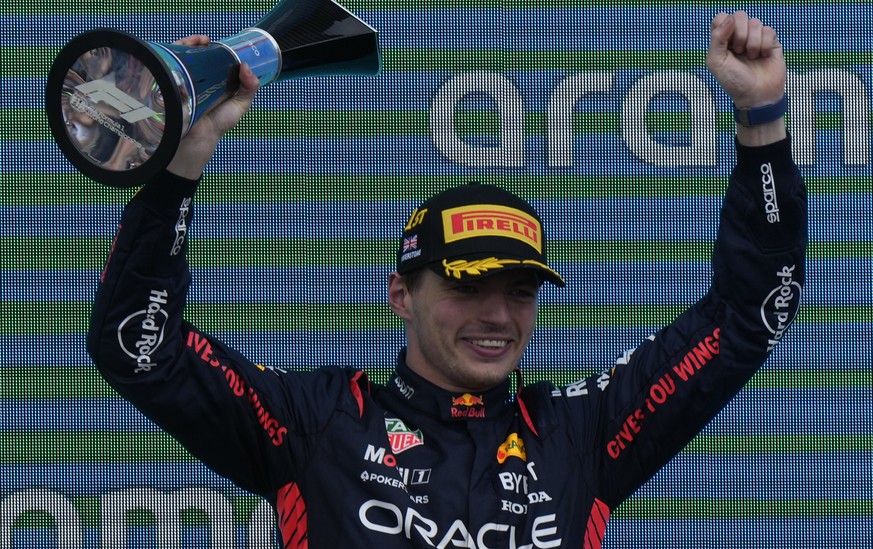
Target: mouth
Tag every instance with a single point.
(494, 344)
(489, 349)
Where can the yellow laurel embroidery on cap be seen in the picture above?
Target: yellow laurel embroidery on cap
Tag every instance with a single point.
(477, 267)
(543, 266)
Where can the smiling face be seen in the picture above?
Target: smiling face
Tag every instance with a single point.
(466, 336)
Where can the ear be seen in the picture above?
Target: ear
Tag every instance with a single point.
(399, 296)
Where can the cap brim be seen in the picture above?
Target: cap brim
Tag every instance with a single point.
(470, 268)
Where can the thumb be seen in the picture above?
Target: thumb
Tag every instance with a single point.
(227, 113)
(240, 100)
(248, 84)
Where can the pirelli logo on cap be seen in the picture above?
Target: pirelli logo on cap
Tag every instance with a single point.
(491, 220)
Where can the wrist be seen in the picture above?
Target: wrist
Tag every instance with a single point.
(192, 156)
(762, 124)
(762, 134)
(760, 114)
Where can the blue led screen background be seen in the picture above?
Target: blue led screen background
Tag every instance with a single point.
(600, 112)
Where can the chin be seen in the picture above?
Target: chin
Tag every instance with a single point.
(490, 380)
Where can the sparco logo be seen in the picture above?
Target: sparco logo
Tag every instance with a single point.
(181, 227)
(781, 305)
(142, 332)
(768, 187)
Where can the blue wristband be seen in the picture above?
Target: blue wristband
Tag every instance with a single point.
(761, 115)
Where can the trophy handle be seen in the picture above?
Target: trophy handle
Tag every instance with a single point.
(319, 37)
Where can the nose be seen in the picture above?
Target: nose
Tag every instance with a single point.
(495, 308)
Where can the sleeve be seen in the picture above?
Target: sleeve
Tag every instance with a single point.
(251, 424)
(629, 421)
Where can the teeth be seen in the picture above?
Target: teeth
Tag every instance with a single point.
(489, 342)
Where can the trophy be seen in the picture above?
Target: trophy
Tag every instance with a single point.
(118, 106)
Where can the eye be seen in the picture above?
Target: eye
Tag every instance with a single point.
(524, 292)
(465, 289)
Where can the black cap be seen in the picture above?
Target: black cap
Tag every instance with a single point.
(472, 231)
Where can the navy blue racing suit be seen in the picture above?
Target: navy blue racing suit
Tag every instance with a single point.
(346, 463)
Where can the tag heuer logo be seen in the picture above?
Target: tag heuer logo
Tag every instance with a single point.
(401, 437)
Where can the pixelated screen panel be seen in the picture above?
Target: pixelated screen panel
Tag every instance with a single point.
(601, 113)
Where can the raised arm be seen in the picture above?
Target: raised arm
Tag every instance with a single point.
(643, 411)
(243, 420)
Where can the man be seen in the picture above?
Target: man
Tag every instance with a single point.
(443, 455)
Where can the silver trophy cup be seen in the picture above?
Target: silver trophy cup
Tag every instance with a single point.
(118, 106)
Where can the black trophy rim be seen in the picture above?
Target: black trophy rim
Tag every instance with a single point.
(120, 40)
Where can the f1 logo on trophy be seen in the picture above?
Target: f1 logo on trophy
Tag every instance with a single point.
(118, 106)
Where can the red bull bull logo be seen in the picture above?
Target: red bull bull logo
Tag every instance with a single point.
(468, 400)
(468, 405)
